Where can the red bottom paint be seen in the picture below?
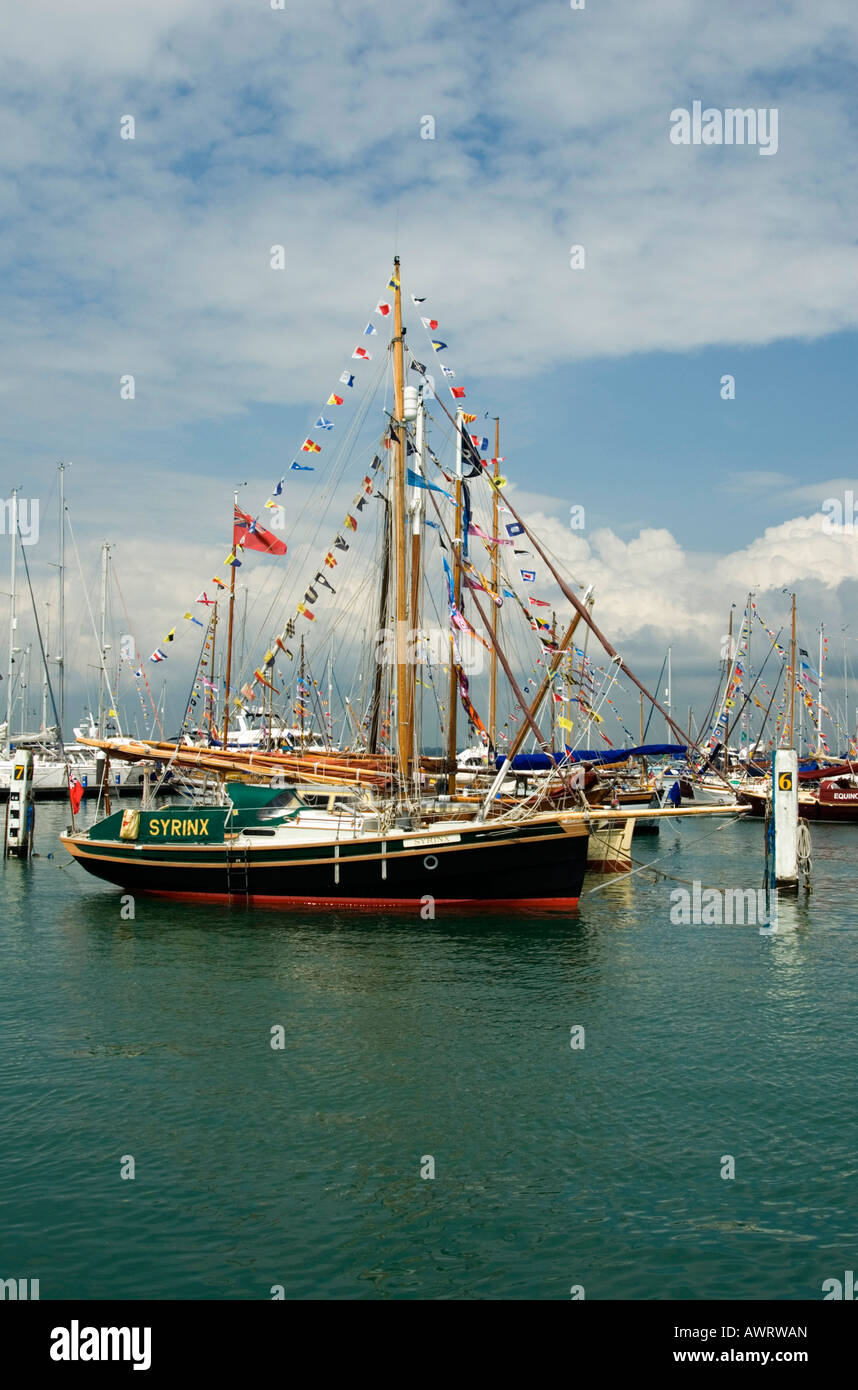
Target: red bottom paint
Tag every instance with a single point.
(374, 904)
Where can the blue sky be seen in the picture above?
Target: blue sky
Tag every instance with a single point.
(302, 127)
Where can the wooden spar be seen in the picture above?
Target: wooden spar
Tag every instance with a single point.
(246, 764)
(403, 731)
(554, 666)
(453, 702)
(519, 694)
(493, 680)
(597, 633)
(211, 702)
(375, 707)
(228, 694)
(416, 529)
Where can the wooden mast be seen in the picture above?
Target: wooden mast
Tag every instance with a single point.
(233, 568)
(493, 684)
(373, 742)
(211, 700)
(416, 529)
(403, 724)
(453, 708)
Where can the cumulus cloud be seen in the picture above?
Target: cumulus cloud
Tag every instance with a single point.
(257, 127)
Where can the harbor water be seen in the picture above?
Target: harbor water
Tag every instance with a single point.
(576, 1084)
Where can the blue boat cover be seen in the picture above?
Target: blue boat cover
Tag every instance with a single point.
(540, 762)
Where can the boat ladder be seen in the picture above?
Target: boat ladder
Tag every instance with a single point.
(237, 874)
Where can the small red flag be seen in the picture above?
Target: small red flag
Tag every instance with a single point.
(76, 790)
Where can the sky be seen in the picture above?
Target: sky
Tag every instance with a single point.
(257, 126)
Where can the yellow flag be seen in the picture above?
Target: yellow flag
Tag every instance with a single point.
(564, 723)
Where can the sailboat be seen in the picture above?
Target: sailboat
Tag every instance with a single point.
(381, 826)
(55, 764)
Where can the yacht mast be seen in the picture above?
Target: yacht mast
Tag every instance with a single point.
(102, 674)
(667, 703)
(13, 621)
(44, 723)
(61, 603)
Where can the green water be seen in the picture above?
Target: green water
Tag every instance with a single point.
(554, 1167)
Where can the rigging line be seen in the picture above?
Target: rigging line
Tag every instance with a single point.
(102, 663)
(732, 663)
(593, 709)
(320, 503)
(651, 710)
(357, 550)
(617, 878)
(600, 636)
(115, 578)
(41, 648)
(751, 691)
(319, 499)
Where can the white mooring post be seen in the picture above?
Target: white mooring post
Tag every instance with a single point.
(20, 810)
(785, 802)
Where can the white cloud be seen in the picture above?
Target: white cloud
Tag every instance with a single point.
(257, 126)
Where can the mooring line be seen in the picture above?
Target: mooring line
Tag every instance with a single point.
(641, 868)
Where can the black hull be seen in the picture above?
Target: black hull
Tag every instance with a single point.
(525, 866)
